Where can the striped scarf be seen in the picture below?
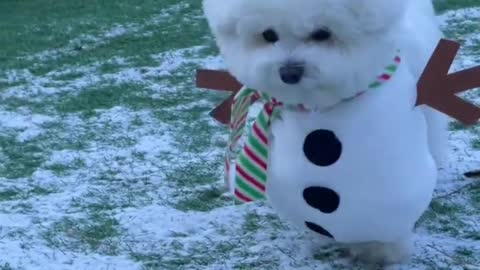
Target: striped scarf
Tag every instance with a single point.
(251, 161)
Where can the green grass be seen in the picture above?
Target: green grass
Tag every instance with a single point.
(203, 200)
(40, 25)
(444, 5)
(21, 158)
(476, 143)
(70, 76)
(252, 222)
(178, 256)
(475, 195)
(60, 169)
(106, 97)
(23, 208)
(40, 191)
(444, 217)
(39, 33)
(456, 125)
(259, 263)
(6, 266)
(9, 194)
(97, 232)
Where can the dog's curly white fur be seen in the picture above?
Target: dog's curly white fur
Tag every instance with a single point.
(339, 45)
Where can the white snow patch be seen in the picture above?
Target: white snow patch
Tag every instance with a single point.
(119, 30)
(172, 60)
(29, 123)
(14, 220)
(156, 222)
(128, 75)
(41, 257)
(169, 63)
(155, 145)
(29, 134)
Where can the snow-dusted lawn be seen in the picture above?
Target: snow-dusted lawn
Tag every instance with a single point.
(109, 160)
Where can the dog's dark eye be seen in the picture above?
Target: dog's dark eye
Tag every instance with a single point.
(321, 35)
(270, 36)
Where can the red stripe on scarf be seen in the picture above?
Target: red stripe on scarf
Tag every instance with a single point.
(255, 158)
(250, 179)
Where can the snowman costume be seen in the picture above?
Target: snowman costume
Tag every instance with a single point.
(336, 172)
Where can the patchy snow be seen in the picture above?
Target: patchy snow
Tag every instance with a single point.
(88, 76)
(155, 145)
(30, 124)
(15, 120)
(128, 75)
(145, 163)
(88, 42)
(43, 258)
(29, 134)
(146, 223)
(172, 60)
(119, 30)
(14, 220)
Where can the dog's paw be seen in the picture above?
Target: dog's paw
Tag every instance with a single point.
(383, 254)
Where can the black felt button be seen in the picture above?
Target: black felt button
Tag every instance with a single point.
(324, 199)
(322, 147)
(318, 229)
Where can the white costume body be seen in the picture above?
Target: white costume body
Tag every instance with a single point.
(385, 175)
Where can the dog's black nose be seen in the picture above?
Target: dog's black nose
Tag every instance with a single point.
(291, 73)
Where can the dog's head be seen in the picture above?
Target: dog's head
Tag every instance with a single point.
(314, 52)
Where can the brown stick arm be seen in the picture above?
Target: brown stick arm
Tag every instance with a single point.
(223, 81)
(436, 88)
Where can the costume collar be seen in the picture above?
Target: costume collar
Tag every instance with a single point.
(385, 76)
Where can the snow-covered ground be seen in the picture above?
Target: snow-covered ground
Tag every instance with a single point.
(109, 160)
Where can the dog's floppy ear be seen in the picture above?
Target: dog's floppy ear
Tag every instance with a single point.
(377, 15)
(220, 17)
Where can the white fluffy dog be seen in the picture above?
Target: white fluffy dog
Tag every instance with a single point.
(320, 53)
